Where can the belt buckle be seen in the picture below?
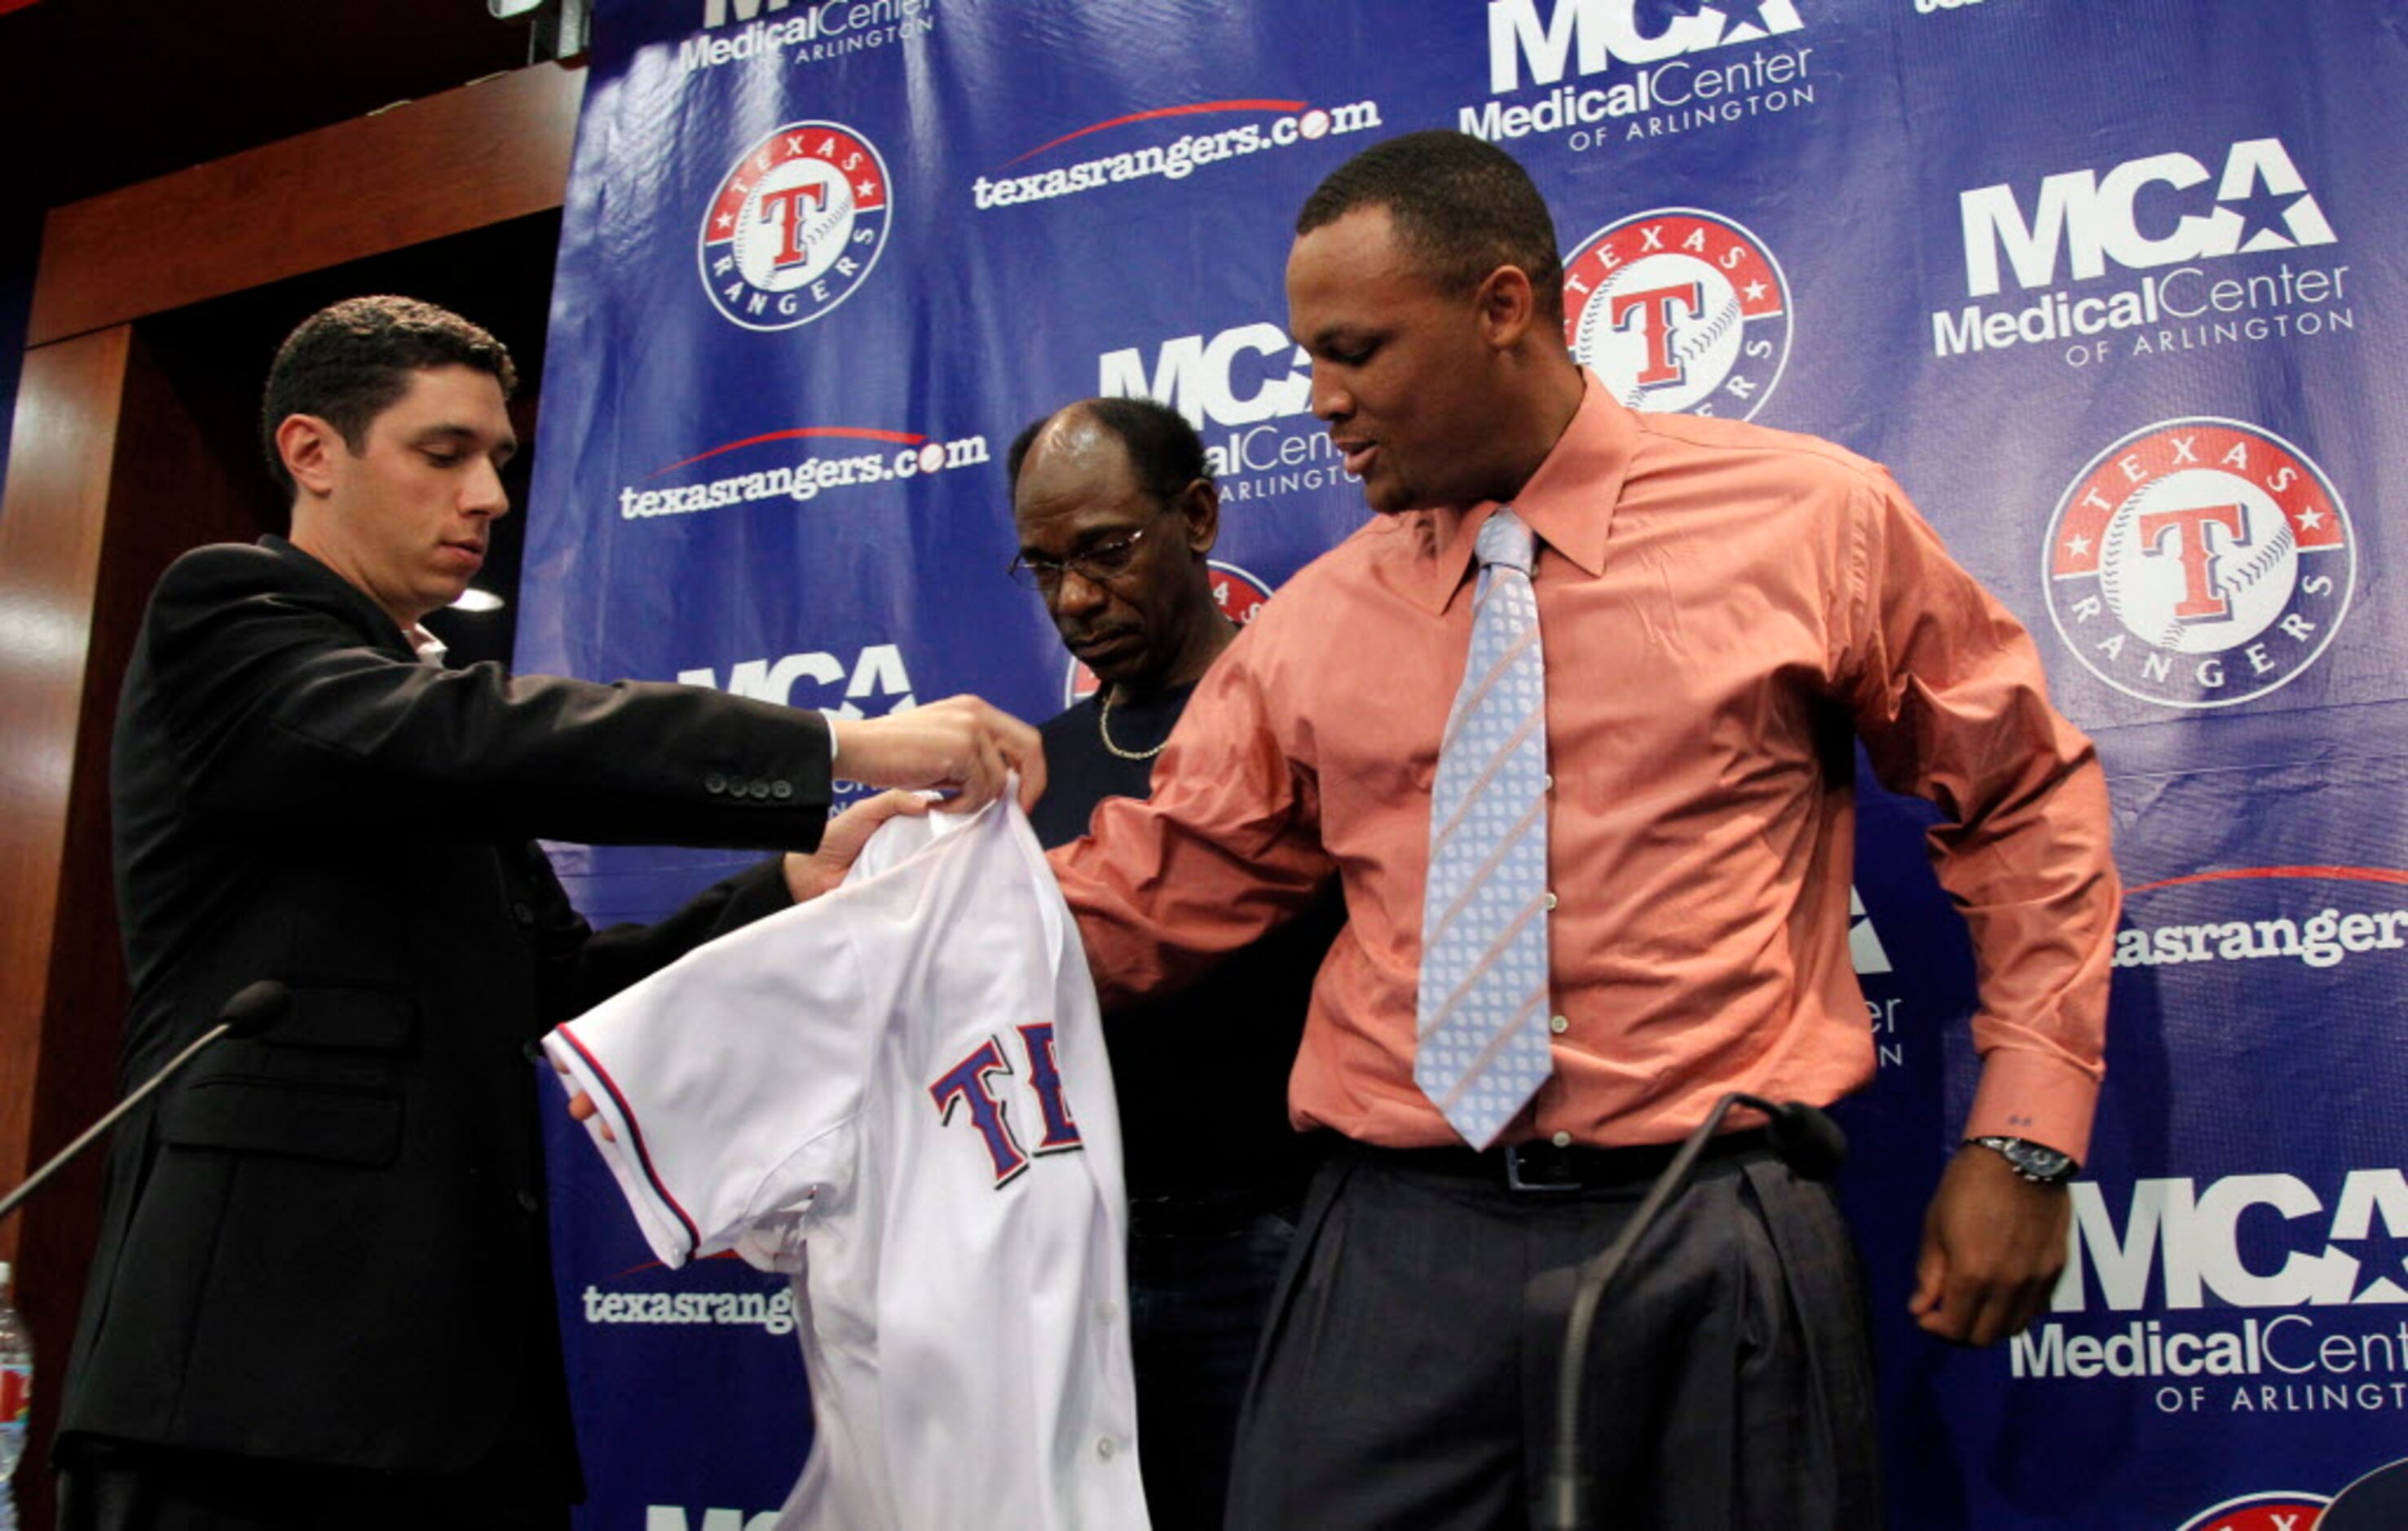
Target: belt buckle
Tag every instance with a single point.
(1516, 1180)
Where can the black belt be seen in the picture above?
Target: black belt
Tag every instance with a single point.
(1542, 1165)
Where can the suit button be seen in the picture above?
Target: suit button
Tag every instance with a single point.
(782, 790)
(714, 783)
(522, 914)
(527, 1203)
(761, 791)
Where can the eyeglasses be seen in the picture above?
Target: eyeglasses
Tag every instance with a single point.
(1099, 565)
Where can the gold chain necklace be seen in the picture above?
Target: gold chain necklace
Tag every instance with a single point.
(1104, 730)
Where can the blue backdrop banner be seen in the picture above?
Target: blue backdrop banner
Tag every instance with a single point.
(2116, 290)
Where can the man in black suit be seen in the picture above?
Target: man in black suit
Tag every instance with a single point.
(321, 1296)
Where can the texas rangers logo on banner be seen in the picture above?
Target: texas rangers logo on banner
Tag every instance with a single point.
(795, 226)
(1239, 595)
(2260, 1513)
(1679, 308)
(2199, 562)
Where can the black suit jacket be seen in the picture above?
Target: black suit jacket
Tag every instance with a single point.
(327, 1244)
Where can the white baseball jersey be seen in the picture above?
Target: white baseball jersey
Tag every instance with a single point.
(898, 1095)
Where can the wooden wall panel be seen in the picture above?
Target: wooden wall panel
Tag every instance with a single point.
(497, 150)
(172, 483)
(52, 518)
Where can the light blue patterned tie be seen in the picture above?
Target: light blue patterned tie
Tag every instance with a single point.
(1482, 1018)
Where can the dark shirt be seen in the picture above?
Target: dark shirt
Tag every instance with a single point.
(1202, 1072)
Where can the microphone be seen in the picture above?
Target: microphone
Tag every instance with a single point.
(1807, 1140)
(253, 1008)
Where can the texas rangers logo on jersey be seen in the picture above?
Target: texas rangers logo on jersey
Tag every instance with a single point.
(968, 1086)
(1239, 595)
(2199, 562)
(796, 225)
(1679, 309)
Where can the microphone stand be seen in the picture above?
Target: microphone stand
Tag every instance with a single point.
(1803, 1137)
(251, 1011)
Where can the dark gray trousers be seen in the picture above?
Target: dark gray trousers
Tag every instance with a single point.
(1408, 1377)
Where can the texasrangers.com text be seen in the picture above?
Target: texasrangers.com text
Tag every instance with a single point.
(2324, 940)
(803, 480)
(772, 1311)
(1176, 160)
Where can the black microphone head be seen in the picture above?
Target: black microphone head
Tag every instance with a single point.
(255, 1006)
(1807, 1140)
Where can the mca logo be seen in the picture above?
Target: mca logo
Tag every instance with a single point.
(1239, 595)
(1593, 35)
(2260, 202)
(795, 226)
(1866, 953)
(876, 677)
(1679, 309)
(1242, 376)
(2199, 562)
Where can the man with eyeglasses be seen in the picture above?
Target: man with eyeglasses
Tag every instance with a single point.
(1115, 513)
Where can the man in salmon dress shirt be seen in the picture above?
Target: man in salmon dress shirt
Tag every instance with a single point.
(1722, 608)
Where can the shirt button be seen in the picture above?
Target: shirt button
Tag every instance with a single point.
(1550, 901)
(1107, 1313)
(1547, 782)
(1561, 1140)
(1559, 1023)
(1105, 1449)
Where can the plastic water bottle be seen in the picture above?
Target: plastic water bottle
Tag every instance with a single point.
(15, 1395)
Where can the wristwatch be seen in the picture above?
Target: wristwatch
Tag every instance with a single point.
(2035, 1162)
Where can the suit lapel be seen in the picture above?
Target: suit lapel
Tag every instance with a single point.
(368, 617)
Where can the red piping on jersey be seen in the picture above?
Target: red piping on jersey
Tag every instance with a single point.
(636, 1134)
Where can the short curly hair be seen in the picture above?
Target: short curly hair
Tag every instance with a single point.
(1460, 205)
(349, 362)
